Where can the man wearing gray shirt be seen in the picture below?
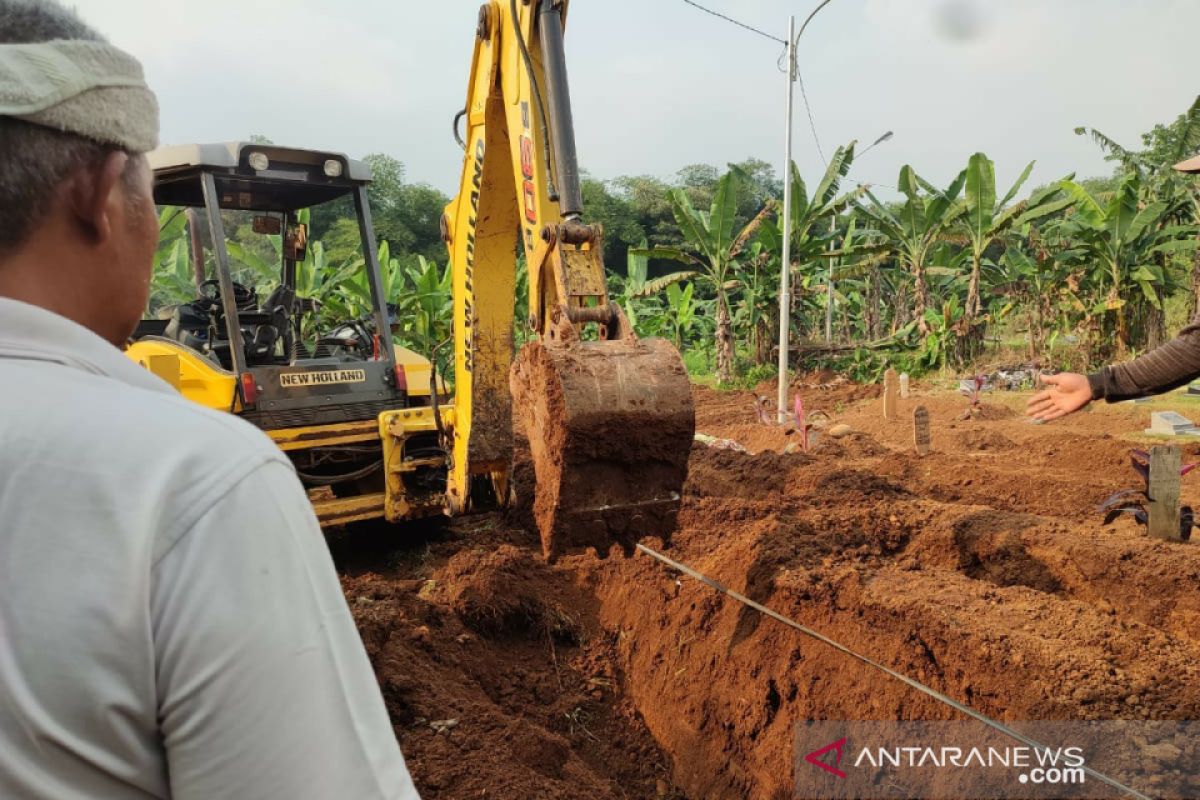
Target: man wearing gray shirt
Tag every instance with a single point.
(171, 625)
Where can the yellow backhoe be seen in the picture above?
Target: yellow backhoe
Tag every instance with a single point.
(608, 416)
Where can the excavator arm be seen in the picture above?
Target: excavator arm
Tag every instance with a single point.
(609, 417)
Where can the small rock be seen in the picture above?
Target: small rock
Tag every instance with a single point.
(840, 430)
(1162, 752)
(443, 725)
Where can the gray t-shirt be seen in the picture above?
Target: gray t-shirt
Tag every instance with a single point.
(171, 625)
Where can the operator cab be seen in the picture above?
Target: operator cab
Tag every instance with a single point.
(247, 292)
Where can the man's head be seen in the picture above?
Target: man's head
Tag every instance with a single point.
(77, 218)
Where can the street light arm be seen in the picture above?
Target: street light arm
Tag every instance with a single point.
(810, 16)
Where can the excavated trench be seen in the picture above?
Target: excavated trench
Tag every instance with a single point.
(981, 570)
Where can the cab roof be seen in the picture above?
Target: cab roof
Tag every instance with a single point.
(294, 178)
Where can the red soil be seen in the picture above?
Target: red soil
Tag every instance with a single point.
(982, 570)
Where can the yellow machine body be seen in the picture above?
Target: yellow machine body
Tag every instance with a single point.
(609, 417)
(200, 380)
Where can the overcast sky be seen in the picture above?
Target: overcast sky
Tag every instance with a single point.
(658, 84)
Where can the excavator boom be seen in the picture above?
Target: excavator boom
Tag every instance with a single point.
(609, 416)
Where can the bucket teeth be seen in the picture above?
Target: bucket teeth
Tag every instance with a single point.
(610, 427)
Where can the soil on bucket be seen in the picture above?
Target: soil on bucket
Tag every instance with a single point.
(609, 426)
(982, 570)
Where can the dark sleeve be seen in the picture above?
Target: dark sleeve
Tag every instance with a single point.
(1164, 368)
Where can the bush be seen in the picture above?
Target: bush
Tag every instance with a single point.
(698, 361)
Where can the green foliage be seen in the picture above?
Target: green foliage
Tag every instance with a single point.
(1076, 270)
(173, 278)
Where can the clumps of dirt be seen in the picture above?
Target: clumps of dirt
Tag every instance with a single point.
(502, 591)
(853, 445)
(985, 440)
(989, 579)
(743, 475)
(609, 426)
(859, 482)
(990, 549)
(757, 437)
(487, 697)
(990, 412)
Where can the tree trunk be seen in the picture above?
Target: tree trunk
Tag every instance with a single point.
(724, 340)
(1155, 326)
(900, 308)
(969, 343)
(1196, 283)
(874, 308)
(1038, 337)
(973, 305)
(920, 298)
(762, 350)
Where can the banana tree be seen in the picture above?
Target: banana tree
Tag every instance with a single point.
(634, 292)
(713, 251)
(173, 279)
(1036, 284)
(1118, 243)
(916, 229)
(1166, 145)
(684, 317)
(985, 220)
(759, 298)
(813, 219)
(427, 305)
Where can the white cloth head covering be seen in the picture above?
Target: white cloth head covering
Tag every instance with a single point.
(90, 89)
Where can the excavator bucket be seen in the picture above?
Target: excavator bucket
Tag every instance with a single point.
(610, 427)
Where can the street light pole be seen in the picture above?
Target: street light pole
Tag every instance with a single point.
(785, 272)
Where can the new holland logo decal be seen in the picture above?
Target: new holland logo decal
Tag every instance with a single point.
(297, 380)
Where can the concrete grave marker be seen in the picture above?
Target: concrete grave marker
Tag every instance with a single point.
(891, 390)
(1163, 510)
(904, 385)
(1168, 423)
(921, 436)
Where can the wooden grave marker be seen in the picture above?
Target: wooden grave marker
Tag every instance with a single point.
(921, 437)
(891, 391)
(1163, 509)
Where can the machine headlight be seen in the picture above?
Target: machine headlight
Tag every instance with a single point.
(258, 161)
(333, 168)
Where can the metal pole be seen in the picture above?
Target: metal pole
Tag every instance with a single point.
(785, 277)
(829, 284)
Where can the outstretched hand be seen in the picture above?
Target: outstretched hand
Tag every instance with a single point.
(1068, 393)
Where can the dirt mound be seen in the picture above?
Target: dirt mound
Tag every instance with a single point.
(745, 475)
(990, 440)
(983, 574)
(503, 591)
(516, 711)
(989, 412)
(854, 445)
(981, 570)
